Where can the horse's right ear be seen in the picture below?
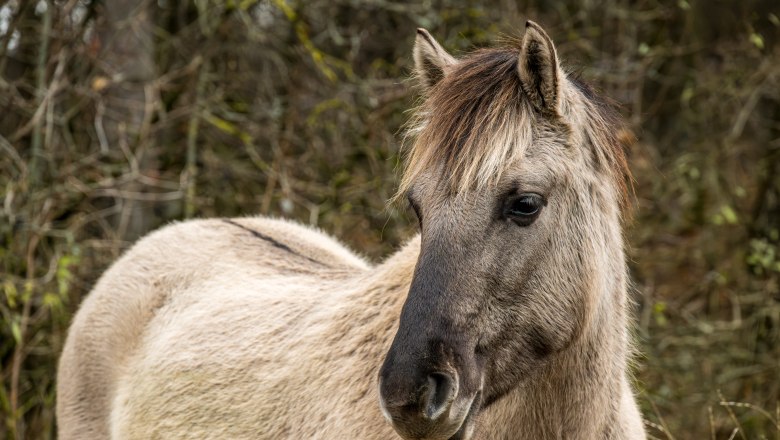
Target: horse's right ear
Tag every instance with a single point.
(431, 61)
(539, 71)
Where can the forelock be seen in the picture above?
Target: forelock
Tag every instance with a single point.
(477, 122)
(473, 124)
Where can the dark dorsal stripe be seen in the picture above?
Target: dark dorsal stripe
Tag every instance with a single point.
(273, 242)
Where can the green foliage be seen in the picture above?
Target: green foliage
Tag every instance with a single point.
(295, 109)
(764, 255)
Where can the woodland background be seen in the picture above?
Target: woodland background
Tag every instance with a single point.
(118, 116)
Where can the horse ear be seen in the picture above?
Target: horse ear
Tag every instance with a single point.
(431, 61)
(539, 71)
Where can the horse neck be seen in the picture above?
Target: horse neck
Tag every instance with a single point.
(578, 393)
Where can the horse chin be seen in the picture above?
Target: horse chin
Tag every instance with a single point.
(466, 429)
(459, 425)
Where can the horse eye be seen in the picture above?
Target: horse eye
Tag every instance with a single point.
(524, 208)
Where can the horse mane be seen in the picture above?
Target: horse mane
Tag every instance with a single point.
(608, 138)
(477, 121)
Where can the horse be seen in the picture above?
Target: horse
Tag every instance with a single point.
(505, 317)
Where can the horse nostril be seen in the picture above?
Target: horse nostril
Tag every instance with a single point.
(439, 395)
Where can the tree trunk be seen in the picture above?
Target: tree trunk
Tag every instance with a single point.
(126, 58)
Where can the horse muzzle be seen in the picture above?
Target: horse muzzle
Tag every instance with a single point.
(432, 407)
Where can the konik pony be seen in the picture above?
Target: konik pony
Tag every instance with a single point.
(504, 318)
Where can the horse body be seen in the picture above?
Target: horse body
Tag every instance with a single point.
(185, 325)
(512, 299)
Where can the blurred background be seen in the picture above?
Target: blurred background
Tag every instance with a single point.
(119, 116)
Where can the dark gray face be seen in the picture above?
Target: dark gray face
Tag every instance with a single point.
(498, 289)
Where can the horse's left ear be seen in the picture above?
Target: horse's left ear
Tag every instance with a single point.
(431, 61)
(539, 71)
